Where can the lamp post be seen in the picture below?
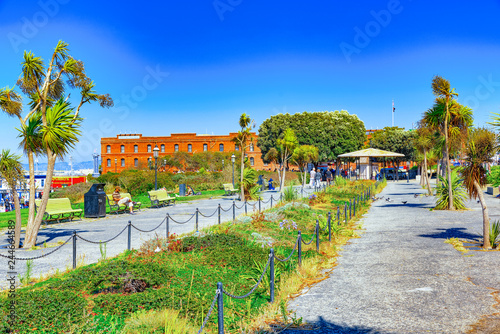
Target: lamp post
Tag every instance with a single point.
(233, 157)
(155, 155)
(116, 160)
(222, 164)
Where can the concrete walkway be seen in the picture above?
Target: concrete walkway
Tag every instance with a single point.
(400, 276)
(106, 228)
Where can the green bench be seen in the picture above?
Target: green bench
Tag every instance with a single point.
(160, 197)
(58, 209)
(229, 189)
(117, 208)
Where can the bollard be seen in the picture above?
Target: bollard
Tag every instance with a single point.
(329, 226)
(271, 276)
(234, 211)
(219, 213)
(271, 201)
(197, 219)
(168, 227)
(129, 240)
(317, 236)
(74, 249)
(299, 246)
(220, 308)
(246, 212)
(259, 204)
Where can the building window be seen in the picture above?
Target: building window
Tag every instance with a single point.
(251, 147)
(252, 161)
(136, 162)
(149, 148)
(162, 147)
(176, 147)
(123, 162)
(221, 147)
(205, 147)
(122, 148)
(108, 162)
(236, 147)
(190, 148)
(108, 149)
(136, 149)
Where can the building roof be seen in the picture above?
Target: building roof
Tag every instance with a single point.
(371, 152)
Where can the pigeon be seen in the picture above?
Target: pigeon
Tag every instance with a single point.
(416, 195)
(478, 201)
(404, 202)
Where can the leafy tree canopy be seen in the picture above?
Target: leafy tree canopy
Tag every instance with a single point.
(395, 139)
(332, 132)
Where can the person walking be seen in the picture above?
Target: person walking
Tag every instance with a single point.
(317, 177)
(312, 178)
(328, 177)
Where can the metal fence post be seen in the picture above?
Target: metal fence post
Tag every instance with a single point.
(74, 249)
(281, 196)
(220, 308)
(271, 276)
(129, 240)
(338, 216)
(317, 236)
(196, 219)
(299, 246)
(271, 201)
(246, 211)
(350, 208)
(234, 211)
(219, 213)
(354, 206)
(345, 212)
(168, 227)
(259, 204)
(329, 226)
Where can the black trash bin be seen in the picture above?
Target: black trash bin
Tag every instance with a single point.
(95, 201)
(182, 189)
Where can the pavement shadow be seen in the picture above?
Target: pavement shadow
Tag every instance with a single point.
(410, 205)
(322, 327)
(455, 232)
(63, 234)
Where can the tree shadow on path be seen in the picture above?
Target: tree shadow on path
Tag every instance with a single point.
(455, 232)
(322, 327)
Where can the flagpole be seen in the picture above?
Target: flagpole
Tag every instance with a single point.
(393, 113)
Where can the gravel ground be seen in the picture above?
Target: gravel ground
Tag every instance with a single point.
(400, 276)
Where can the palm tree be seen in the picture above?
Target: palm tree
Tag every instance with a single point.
(480, 148)
(242, 139)
(303, 155)
(441, 88)
(286, 146)
(424, 143)
(12, 171)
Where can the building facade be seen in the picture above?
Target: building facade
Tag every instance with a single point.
(127, 151)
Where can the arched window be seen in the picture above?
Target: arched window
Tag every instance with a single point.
(176, 147)
(221, 147)
(108, 162)
(236, 147)
(136, 149)
(136, 162)
(123, 162)
(251, 147)
(252, 161)
(162, 148)
(190, 148)
(149, 148)
(122, 148)
(108, 149)
(205, 147)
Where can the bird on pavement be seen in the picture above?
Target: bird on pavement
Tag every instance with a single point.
(404, 202)
(416, 195)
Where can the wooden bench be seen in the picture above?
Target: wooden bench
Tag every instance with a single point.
(229, 189)
(117, 208)
(57, 209)
(160, 197)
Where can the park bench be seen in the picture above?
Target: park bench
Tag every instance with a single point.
(229, 189)
(160, 197)
(57, 209)
(117, 208)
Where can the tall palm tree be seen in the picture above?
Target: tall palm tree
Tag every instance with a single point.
(242, 139)
(286, 145)
(12, 171)
(480, 148)
(424, 143)
(441, 88)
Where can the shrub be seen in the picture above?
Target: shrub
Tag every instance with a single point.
(494, 176)
(459, 193)
(494, 233)
(164, 321)
(289, 194)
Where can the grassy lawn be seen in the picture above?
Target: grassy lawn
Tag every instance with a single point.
(146, 291)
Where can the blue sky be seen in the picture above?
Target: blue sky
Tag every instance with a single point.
(195, 66)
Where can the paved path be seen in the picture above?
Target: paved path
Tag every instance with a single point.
(400, 276)
(106, 228)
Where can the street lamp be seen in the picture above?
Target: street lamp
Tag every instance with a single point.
(222, 164)
(233, 157)
(155, 155)
(116, 160)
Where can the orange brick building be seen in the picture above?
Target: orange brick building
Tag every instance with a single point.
(130, 150)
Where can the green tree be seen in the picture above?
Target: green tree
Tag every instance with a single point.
(12, 171)
(43, 85)
(303, 155)
(243, 139)
(480, 149)
(397, 140)
(333, 133)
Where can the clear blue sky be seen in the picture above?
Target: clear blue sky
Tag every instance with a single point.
(226, 57)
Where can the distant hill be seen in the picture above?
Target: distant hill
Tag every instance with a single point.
(64, 165)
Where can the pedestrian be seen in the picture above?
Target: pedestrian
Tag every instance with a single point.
(317, 177)
(313, 177)
(328, 177)
(123, 200)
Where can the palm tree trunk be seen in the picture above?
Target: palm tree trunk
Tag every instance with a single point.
(33, 228)
(31, 210)
(486, 218)
(426, 177)
(438, 171)
(447, 150)
(17, 228)
(242, 170)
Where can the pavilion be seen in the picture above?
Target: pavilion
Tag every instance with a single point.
(363, 161)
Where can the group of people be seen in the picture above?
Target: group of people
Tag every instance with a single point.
(318, 175)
